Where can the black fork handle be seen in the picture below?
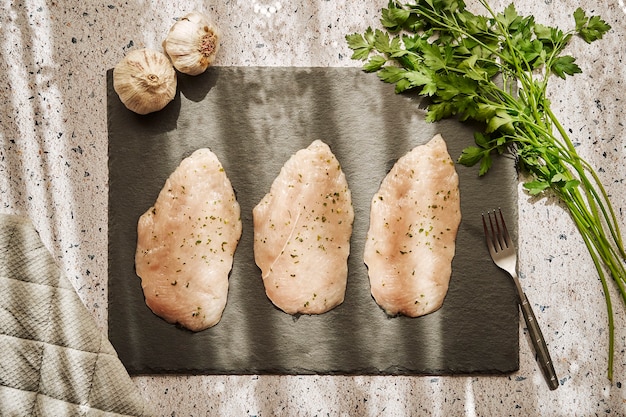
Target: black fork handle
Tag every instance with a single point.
(539, 343)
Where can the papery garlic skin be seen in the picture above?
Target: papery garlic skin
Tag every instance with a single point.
(145, 81)
(192, 43)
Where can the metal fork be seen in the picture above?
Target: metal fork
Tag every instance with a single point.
(503, 253)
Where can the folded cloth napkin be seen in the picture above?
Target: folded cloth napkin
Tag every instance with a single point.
(54, 361)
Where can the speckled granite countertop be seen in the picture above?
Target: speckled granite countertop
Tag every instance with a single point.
(53, 168)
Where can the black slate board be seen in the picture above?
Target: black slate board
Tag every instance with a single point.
(254, 119)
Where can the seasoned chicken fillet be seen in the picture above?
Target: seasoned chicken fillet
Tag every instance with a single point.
(414, 219)
(186, 243)
(302, 230)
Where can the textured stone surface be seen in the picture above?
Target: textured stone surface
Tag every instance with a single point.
(53, 168)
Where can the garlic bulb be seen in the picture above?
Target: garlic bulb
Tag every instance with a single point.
(145, 81)
(192, 43)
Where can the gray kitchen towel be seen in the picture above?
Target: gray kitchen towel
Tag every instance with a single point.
(54, 361)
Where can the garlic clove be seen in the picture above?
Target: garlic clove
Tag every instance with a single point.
(145, 81)
(192, 43)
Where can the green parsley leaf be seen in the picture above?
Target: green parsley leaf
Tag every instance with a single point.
(439, 111)
(382, 41)
(580, 18)
(360, 45)
(509, 17)
(596, 28)
(564, 65)
(403, 85)
(357, 41)
(393, 18)
(590, 28)
(485, 164)
(374, 63)
(481, 140)
(471, 155)
(417, 78)
(543, 33)
(537, 186)
(501, 121)
(391, 74)
(570, 185)
(433, 57)
(559, 177)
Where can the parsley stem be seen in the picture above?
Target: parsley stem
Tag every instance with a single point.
(607, 297)
(612, 220)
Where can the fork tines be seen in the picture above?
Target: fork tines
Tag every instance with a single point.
(497, 234)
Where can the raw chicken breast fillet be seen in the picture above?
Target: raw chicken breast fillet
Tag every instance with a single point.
(302, 230)
(414, 219)
(186, 243)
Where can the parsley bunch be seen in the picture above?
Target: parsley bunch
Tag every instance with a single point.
(494, 69)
